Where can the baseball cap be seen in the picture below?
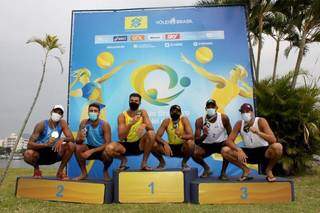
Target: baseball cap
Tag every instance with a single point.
(58, 106)
(246, 107)
(177, 107)
(211, 101)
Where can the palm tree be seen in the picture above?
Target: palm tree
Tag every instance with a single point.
(260, 10)
(305, 28)
(49, 43)
(277, 28)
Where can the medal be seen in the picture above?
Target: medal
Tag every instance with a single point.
(54, 134)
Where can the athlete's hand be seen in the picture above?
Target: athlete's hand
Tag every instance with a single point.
(254, 130)
(87, 153)
(58, 146)
(83, 134)
(167, 150)
(242, 157)
(205, 130)
(51, 141)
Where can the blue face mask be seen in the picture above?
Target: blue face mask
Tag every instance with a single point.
(93, 116)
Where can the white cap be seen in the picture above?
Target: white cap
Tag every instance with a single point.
(58, 106)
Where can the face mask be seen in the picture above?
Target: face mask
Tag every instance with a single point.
(211, 112)
(93, 116)
(175, 116)
(55, 117)
(246, 116)
(133, 106)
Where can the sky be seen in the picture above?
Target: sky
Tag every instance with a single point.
(21, 63)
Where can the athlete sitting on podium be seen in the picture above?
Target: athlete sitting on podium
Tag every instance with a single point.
(180, 138)
(260, 144)
(46, 146)
(92, 137)
(136, 134)
(215, 128)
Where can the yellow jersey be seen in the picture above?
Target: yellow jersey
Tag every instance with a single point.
(133, 132)
(171, 131)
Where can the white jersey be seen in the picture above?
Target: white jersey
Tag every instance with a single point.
(250, 139)
(216, 133)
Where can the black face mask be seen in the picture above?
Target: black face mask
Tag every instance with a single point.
(175, 116)
(133, 106)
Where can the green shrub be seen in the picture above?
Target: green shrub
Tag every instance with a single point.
(294, 116)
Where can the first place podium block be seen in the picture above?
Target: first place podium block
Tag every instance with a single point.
(213, 191)
(167, 186)
(88, 191)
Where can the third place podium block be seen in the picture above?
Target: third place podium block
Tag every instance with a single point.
(166, 186)
(213, 191)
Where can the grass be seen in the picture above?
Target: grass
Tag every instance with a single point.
(307, 190)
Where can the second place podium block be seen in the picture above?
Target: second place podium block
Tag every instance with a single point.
(153, 186)
(88, 191)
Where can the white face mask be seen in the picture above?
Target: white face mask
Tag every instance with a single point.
(211, 112)
(246, 116)
(55, 117)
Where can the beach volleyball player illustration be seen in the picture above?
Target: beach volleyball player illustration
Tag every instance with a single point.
(91, 89)
(226, 89)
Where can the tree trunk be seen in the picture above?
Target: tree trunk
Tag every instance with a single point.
(275, 60)
(299, 60)
(5, 171)
(259, 47)
(253, 61)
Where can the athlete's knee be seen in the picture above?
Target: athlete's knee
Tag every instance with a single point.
(225, 150)
(71, 147)
(30, 154)
(111, 149)
(277, 147)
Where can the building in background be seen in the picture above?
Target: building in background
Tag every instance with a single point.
(11, 140)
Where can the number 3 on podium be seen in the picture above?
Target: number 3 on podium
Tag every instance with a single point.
(151, 186)
(244, 194)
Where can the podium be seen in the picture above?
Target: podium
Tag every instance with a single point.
(213, 191)
(85, 191)
(166, 186)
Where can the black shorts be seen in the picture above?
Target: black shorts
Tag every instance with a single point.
(176, 150)
(47, 156)
(96, 155)
(256, 155)
(212, 148)
(132, 148)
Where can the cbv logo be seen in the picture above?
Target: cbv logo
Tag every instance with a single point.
(172, 36)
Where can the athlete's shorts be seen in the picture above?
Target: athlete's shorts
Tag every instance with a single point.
(96, 155)
(132, 148)
(256, 155)
(212, 148)
(47, 156)
(176, 150)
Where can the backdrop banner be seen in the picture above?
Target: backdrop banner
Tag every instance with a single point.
(169, 56)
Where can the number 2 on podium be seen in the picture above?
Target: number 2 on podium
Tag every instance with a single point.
(60, 189)
(151, 186)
